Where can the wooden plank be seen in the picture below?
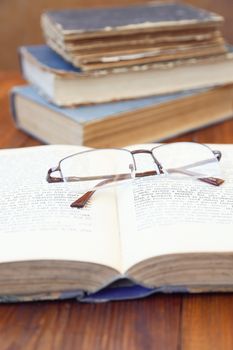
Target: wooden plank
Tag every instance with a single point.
(207, 322)
(218, 133)
(132, 325)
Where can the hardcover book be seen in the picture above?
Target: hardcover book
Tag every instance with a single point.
(152, 234)
(116, 123)
(131, 35)
(65, 85)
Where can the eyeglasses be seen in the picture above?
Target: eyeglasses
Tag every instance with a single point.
(99, 168)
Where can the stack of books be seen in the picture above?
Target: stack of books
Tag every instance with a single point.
(115, 76)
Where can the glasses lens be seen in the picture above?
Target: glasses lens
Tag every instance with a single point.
(98, 165)
(187, 159)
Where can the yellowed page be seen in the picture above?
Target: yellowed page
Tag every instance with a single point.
(160, 216)
(36, 220)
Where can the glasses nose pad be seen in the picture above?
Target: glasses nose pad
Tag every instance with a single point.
(132, 170)
(160, 168)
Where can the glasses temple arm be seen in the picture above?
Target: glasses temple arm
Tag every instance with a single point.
(210, 180)
(82, 201)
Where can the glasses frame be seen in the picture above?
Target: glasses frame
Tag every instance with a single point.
(107, 179)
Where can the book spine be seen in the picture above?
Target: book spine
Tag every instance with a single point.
(19, 54)
(13, 110)
(12, 96)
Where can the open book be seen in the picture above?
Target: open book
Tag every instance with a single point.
(152, 234)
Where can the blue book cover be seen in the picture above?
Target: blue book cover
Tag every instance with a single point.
(121, 289)
(86, 114)
(49, 59)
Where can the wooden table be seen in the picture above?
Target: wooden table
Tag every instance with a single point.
(178, 321)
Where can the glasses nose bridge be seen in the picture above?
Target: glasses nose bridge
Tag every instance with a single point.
(139, 151)
(147, 151)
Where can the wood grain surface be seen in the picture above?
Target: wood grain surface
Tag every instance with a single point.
(169, 322)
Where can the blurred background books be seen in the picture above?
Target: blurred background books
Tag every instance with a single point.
(128, 36)
(115, 76)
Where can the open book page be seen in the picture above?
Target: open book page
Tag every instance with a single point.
(36, 220)
(161, 216)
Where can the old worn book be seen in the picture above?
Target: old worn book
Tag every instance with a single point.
(65, 85)
(150, 234)
(107, 38)
(117, 123)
